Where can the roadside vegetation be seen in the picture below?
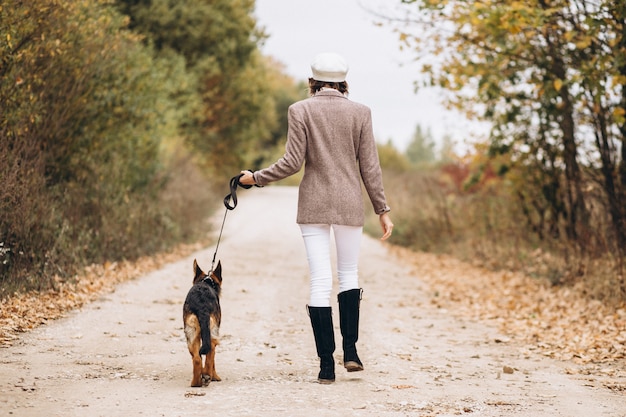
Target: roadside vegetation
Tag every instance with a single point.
(451, 206)
(122, 120)
(545, 192)
(118, 120)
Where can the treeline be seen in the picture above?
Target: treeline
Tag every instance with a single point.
(550, 77)
(117, 120)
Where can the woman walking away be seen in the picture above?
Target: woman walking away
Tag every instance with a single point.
(333, 137)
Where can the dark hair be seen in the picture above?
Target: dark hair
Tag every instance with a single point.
(315, 86)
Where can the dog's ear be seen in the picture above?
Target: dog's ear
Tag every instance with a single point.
(198, 274)
(217, 273)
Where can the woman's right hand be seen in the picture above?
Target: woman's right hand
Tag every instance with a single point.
(386, 224)
(247, 178)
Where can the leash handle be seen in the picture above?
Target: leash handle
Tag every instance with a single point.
(234, 183)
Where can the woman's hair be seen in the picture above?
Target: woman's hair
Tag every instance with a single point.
(315, 86)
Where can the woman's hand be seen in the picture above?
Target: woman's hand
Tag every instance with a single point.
(247, 178)
(386, 224)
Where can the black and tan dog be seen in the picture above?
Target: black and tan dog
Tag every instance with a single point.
(202, 316)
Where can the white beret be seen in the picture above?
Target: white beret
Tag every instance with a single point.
(330, 67)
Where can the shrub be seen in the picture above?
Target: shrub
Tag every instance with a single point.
(480, 219)
(87, 127)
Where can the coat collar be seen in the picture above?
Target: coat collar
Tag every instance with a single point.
(329, 92)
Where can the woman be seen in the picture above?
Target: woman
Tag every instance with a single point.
(333, 137)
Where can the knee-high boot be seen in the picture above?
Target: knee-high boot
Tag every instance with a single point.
(349, 304)
(322, 323)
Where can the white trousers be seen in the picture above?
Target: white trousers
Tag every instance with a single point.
(317, 243)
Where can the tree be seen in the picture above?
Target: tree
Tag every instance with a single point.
(218, 40)
(84, 111)
(447, 153)
(421, 149)
(549, 75)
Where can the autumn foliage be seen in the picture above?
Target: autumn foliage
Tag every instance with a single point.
(550, 78)
(118, 119)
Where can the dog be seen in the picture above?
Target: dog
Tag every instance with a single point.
(202, 317)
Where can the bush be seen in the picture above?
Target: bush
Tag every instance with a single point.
(480, 220)
(88, 128)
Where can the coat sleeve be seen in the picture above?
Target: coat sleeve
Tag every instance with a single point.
(369, 166)
(295, 151)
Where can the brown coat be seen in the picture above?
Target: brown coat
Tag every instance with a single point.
(333, 137)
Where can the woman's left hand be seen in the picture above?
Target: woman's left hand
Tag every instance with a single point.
(386, 224)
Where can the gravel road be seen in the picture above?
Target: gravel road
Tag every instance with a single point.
(125, 354)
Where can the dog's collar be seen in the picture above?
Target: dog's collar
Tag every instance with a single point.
(212, 283)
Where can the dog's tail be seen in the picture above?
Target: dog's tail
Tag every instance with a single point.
(206, 334)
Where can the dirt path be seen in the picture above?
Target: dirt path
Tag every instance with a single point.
(125, 354)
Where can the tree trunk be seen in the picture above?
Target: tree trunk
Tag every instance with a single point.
(577, 218)
(611, 189)
(619, 218)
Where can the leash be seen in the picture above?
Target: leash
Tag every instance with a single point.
(232, 196)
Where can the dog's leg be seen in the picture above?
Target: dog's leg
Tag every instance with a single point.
(209, 365)
(210, 361)
(192, 333)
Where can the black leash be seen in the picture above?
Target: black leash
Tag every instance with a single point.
(234, 183)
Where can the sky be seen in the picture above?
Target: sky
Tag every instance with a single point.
(381, 76)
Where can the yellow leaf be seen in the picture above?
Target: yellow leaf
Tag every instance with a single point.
(619, 80)
(618, 115)
(558, 84)
(584, 42)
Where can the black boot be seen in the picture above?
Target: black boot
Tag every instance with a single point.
(322, 323)
(349, 304)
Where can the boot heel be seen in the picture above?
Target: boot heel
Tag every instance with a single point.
(353, 366)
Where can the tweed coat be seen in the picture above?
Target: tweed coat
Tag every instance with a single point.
(333, 137)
